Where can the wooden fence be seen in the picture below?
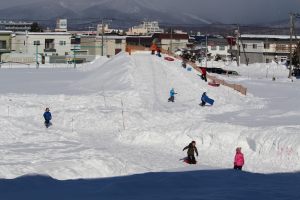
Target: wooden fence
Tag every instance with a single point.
(237, 87)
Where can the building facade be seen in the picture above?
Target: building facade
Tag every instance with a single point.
(5, 42)
(218, 46)
(146, 28)
(44, 43)
(15, 26)
(112, 45)
(171, 42)
(265, 48)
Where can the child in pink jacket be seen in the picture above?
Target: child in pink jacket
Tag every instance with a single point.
(239, 159)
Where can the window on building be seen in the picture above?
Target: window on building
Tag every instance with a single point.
(2, 44)
(222, 48)
(62, 43)
(254, 46)
(213, 48)
(37, 42)
(245, 46)
(266, 46)
(118, 41)
(49, 44)
(268, 60)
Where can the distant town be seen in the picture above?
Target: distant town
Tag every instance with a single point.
(27, 42)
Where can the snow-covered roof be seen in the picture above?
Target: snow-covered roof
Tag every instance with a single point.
(283, 37)
(112, 37)
(5, 32)
(43, 33)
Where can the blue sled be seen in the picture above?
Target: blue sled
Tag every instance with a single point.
(208, 100)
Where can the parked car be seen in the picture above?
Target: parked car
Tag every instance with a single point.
(217, 70)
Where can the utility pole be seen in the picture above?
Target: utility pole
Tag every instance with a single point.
(74, 58)
(171, 42)
(206, 51)
(238, 59)
(291, 42)
(102, 51)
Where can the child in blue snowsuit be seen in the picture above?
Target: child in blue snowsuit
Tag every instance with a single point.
(172, 95)
(206, 100)
(47, 116)
(202, 99)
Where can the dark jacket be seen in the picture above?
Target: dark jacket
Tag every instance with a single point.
(191, 150)
(47, 116)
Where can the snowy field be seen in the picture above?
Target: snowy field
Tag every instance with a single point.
(111, 118)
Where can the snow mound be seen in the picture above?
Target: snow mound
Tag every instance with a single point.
(112, 75)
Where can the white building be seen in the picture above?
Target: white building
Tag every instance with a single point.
(61, 25)
(218, 46)
(107, 30)
(47, 43)
(146, 28)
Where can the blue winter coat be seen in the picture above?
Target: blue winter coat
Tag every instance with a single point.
(47, 116)
(203, 97)
(172, 93)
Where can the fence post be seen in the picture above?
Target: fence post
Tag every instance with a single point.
(123, 114)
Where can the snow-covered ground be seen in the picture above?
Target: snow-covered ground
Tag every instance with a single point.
(112, 118)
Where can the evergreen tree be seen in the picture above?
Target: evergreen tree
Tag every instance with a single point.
(296, 57)
(35, 27)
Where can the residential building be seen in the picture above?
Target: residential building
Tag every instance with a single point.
(265, 48)
(5, 42)
(171, 41)
(146, 28)
(15, 25)
(108, 30)
(145, 41)
(112, 45)
(47, 43)
(51, 47)
(218, 46)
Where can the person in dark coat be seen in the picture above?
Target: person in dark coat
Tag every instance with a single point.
(203, 74)
(183, 64)
(158, 52)
(202, 99)
(47, 116)
(192, 149)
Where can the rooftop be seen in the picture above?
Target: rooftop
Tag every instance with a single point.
(6, 32)
(43, 33)
(283, 37)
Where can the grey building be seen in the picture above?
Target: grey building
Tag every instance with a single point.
(264, 48)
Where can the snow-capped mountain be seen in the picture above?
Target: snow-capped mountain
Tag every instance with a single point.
(129, 11)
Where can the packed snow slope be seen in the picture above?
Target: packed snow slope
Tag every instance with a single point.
(113, 118)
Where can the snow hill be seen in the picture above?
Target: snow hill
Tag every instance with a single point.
(111, 118)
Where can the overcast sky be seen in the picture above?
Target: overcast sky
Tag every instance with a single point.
(225, 11)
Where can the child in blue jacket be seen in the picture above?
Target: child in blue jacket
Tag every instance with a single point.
(47, 116)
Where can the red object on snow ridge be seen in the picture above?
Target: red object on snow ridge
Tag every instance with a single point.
(169, 59)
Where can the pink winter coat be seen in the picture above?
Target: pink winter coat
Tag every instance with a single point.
(239, 159)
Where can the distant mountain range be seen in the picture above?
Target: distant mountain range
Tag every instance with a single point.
(84, 13)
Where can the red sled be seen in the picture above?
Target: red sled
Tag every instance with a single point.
(169, 59)
(214, 84)
(186, 160)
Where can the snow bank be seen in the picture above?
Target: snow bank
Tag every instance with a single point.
(114, 119)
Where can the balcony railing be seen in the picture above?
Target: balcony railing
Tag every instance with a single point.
(50, 50)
